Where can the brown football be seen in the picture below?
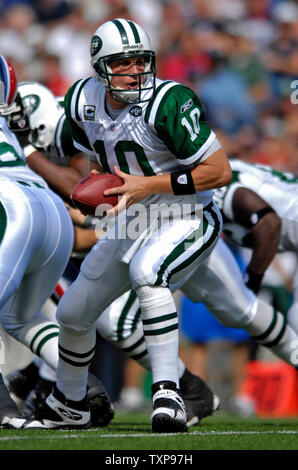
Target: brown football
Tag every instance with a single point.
(88, 193)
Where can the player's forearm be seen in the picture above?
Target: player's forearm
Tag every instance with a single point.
(214, 172)
(84, 239)
(266, 236)
(62, 179)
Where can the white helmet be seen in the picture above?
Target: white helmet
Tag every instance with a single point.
(118, 39)
(43, 110)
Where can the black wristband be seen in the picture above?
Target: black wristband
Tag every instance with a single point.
(182, 183)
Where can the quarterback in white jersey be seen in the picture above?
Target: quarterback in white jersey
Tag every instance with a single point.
(156, 138)
(271, 223)
(49, 133)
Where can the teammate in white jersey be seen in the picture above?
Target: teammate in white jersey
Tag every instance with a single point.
(36, 236)
(260, 211)
(157, 135)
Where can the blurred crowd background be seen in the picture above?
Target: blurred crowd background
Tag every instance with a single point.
(241, 57)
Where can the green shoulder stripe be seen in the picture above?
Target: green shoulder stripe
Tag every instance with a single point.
(72, 98)
(74, 94)
(153, 99)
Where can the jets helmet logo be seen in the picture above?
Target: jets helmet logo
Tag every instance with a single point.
(95, 46)
(31, 103)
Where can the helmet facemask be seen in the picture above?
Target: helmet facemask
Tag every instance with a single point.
(105, 75)
(43, 111)
(16, 116)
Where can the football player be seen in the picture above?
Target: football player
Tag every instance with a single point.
(260, 212)
(48, 147)
(36, 235)
(154, 135)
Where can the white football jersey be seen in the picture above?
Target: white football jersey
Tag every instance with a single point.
(12, 159)
(278, 189)
(167, 134)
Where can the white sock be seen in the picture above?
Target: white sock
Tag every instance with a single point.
(75, 354)
(160, 324)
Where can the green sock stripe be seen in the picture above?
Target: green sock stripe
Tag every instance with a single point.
(74, 354)
(161, 331)
(73, 363)
(269, 329)
(135, 345)
(140, 355)
(45, 340)
(48, 327)
(152, 321)
(279, 336)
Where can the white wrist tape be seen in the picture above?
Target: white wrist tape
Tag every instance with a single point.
(28, 150)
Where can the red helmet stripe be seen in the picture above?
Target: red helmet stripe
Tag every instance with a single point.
(13, 84)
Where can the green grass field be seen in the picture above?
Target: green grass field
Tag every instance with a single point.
(132, 431)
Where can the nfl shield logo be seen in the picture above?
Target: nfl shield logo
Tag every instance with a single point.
(182, 179)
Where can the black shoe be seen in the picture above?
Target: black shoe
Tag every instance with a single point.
(56, 413)
(199, 400)
(37, 397)
(8, 407)
(168, 408)
(21, 382)
(101, 407)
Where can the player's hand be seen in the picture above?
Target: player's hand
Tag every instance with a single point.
(135, 189)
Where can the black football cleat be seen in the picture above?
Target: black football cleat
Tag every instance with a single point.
(21, 382)
(198, 398)
(101, 407)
